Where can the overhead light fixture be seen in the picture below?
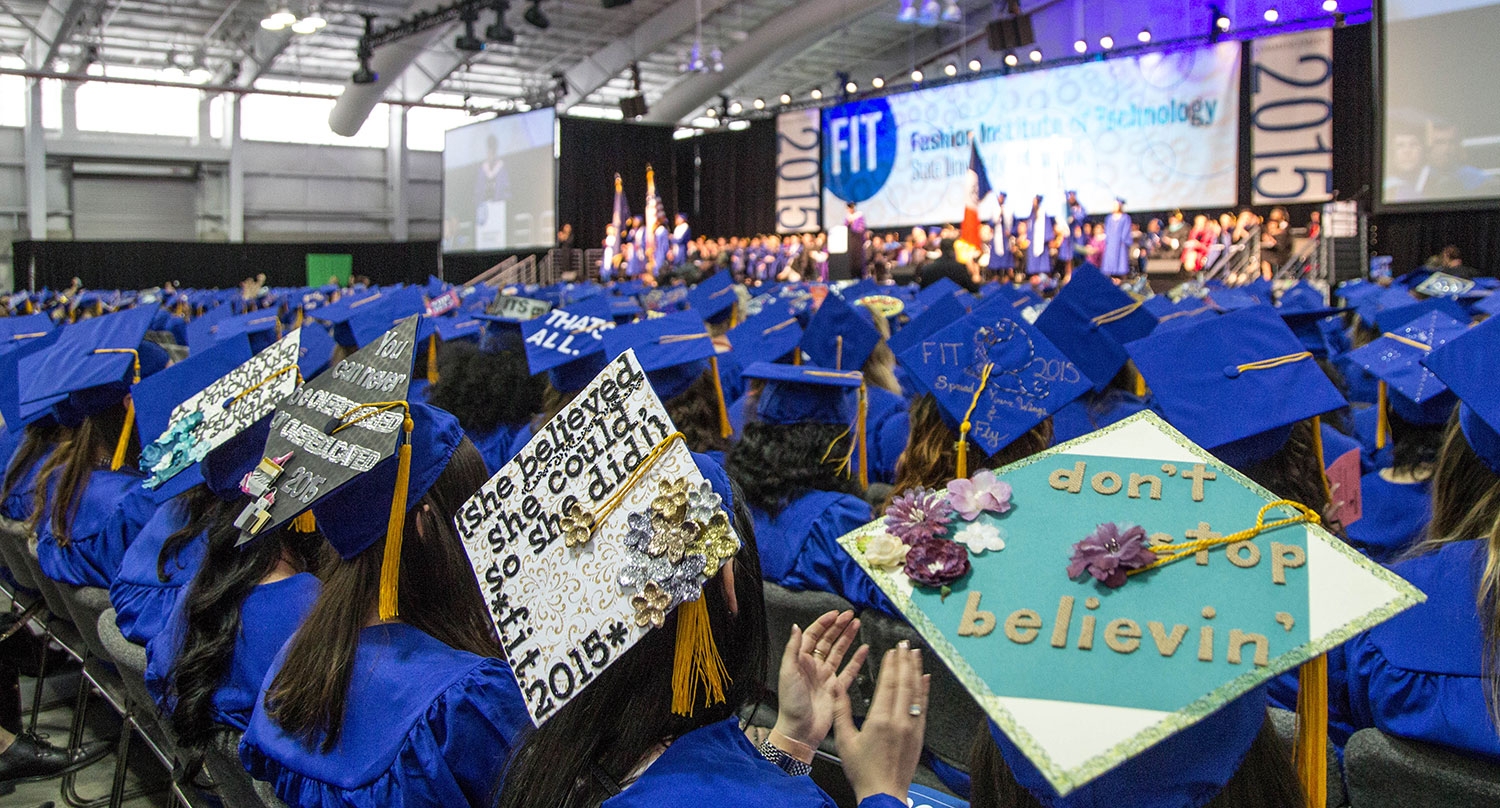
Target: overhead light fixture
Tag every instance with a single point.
(1144, 36)
(736, 108)
(786, 98)
(974, 65)
(1272, 15)
(916, 75)
(908, 12)
(951, 12)
(1080, 46)
(817, 95)
(1035, 55)
(950, 69)
(1222, 23)
(500, 31)
(536, 16)
(851, 87)
(877, 82)
(759, 103)
(1011, 60)
(1330, 5)
(1106, 42)
(199, 75)
(365, 75)
(304, 27)
(712, 112)
(468, 41)
(716, 59)
(284, 16)
(931, 10)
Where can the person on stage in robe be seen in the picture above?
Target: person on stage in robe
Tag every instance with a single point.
(1115, 261)
(995, 261)
(609, 264)
(1038, 247)
(857, 233)
(1005, 219)
(681, 236)
(663, 245)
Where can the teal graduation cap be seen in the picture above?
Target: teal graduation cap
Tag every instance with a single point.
(1091, 320)
(839, 336)
(1407, 387)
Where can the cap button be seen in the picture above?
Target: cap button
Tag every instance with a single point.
(1231, 371)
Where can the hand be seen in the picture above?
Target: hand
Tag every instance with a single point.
(881, 757)
(810, 682)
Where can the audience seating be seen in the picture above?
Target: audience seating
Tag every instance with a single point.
(1389, 772)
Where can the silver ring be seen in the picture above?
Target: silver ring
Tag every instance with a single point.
(914, 710)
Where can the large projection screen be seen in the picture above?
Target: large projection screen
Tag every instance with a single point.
(1159, 129)
(500, 184)
(1440, 137)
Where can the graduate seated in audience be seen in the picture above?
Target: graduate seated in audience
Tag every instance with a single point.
(40, 437)
(415, 709)
(493, 395)
(165, 555)
(1094, 410)
(682, 365)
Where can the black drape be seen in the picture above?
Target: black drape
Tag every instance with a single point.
(591, 153)
(726, 181)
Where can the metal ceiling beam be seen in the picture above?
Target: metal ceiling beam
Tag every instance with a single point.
(429, 70)
(53, 28)
(788, 33)
(650, 36)
(260, 54)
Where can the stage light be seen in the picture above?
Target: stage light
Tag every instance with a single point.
(1223, 23)
(536, 16)
(786, 99)
(502, 33)
(712, 113)
(916, 75)
(199, 75)
(1036, 55)
(1106, 42)
(908, 12)
(974, 65)
(931, 10)
(1272, 15)
(284, 16)
(304, 27)
(877, 82)
(315, 19)
(951, 12)
(736, 108)
(950, 69)
(1011, 60)
(1330, 5)
(851, 88)
(817, 95)
(1144, 36)
(1080, 46)
(759, 103)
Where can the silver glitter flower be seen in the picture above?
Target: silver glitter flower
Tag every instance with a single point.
(703, 503)
(685, 580)
(639, 536)
(641, 569)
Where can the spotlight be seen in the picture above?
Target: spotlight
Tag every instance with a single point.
(759, 103)
(1222, 23)
(930, 12)
(817, 95)
(916, 75)
(199, 75)
(1330, 5)
(908, 12)
(1272, 15)
(1011, 60)
(284, 17)
(951, 12)
(713, 113)
(316, 20)
(950, 69)
(1106, 42)
(736, 108)
(467, 41)
(974, 65)
(851, 88)
(1036, 55)
(304, 26)
(1080, 46)
(877, 82)
(786, 99)
(1144, 36)
(536, 16)
(500, 31)
(272, 24)
(716, 58)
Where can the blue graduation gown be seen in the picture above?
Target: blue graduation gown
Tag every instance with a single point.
(717, 765)
(417, 390)
(523, 436)
(799, 548)
(1038, 256)
(1420, 675)
(425, 725)
(143, 601)
(1363, 387)
(18, 505)
(111, 510)
(1394, 515)
(1091, 412)
(269, 617)
(1371, 459)
(736, 410)
(495, 447)
(890, 442)
(1116, 259)
(882, 406)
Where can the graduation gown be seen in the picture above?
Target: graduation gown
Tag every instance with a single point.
(143, 601)
(1038, 257)
(1372, 459)
(425, 725)
(1396, 678)
(1116, 259)
(717, 765)
(890, 441)
(112, 509)
(799, 548)
(18, 505)
(1091, 412)
(269, 617)
(882, 406)
(495, 447)
(1394, 515)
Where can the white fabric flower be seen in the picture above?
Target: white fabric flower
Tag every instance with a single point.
(979, 537)
(886, 551)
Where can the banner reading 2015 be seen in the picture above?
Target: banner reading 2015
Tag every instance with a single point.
(1291, 117)
(797, 172)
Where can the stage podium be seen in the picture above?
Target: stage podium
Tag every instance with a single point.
(839, 266)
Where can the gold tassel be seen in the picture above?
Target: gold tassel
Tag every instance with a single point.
(1140, 382)
(298, 324)
(797, 355)
(123, 443)
(1311, 751)
(305, 522)
(961, 466)
(432, 374)
(726, 430)
(1382, 421)
(1322, 460)
(390, 564)
(696, 661)
(838, 356)
(859, 438)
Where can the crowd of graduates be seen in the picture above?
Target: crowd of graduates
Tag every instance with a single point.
(812, 409)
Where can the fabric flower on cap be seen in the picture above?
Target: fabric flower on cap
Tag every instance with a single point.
(980, 493)
(918, 515)
(886, 551)
(685, 580)
(641, 569)
(1108, 552)
(980, 537)
(936, 562)
(641, 532)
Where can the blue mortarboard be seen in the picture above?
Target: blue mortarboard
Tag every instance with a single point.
(943, 311)
(563, 335)
(1356, 291)
(24, 327)
(1159, 305)
(1370, 305)
(94, 363)
(805, 394)
(1468, 365)
(1090, 320)
(839, 337)
(1393, 318)
(1236, 383)
(155, 399)
(1312, 327)
(1028, 378)
(1186, 312)
(22, 345)
(861, 288)
(1234, 299)
(458, 326)
(262, 326)
(713, 297)
(1395, 358)
(767, 336)
(624, 309)
(223, 468)
(435, 286)
(1488, 306)
(673, 350)
(203, 330)
(1413, 278)
(368, 322)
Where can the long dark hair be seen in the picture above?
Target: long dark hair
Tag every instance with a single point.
(200, 510)
(1265, 778)
(484, 390)
(931, 456)
(1414, 446)
(695, 412)
(212, 619)
(73, 462)
(1294, 473)
(582, 755)
(778, 463)
(39, 439)
(437, 594)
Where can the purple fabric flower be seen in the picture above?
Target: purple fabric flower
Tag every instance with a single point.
(917, 515)
(1108, 552)
(936, 562)
(983, 492)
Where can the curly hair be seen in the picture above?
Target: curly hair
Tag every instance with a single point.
(778, 463)
(695, 411)
(1414, 447)
(931, 455)
(485, 390)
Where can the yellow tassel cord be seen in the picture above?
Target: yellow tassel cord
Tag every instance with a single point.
(1382, 422)
(432, 373)
(390, 563)
(962, 469)
(838, 356)
(1274, 362)
(1140, 381)
(305, 522)
(1311, 750)
(1117, 314)
(123, 444)
(726, 429)
(1167, 553)
(298, 323)
(859, 438)
(263, 382)
(697, 661)
(1322, 460)
(797, 356)
(845, 466)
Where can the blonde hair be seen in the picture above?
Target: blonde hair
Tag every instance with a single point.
(931, 455)
(880, 367)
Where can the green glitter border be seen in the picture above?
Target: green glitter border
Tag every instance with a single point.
(1067, 780)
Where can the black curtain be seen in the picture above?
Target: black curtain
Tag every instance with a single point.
(726, 181)
(144, 264)
(591, 153)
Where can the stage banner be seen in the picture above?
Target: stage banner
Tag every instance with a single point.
(798, 176)
(1291, 117)
(1159, 129)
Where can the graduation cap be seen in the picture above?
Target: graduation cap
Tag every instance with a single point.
(458, 326)
(1107, 595)
(994, 376)
(714, 297)
(262, 326)
(1184, 313)
(1392, 318)
(20, 345)
(674, 350)
(943, 311)
(1235, 384)
(1488, 306)
(807, 394)
(1090, 320)
(202, 331)
(625, 309)
(1406, 386)
(766, 336)
(839, 337)
(1468, 364)
(568, 343)
(636, 533)
(195, 406)
(858, 290)
(24, 328)
(1312, 327)
(373, 317)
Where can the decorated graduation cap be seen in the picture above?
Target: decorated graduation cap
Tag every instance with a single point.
(1090, 320)
(1235, 384)
(994, 376)
(1392, 318)
(568, 344)
(636, 528)
(1407, 387)
(1468, 364)
(713, 299)
(839, 337)
(766, 336)
(1107, 595)
(675, 351)
(941, 312)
